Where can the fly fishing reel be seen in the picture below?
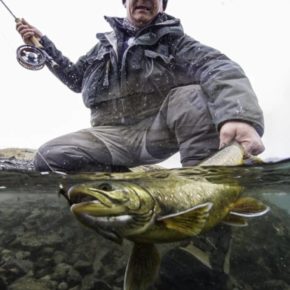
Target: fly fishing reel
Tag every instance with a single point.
(30, 57)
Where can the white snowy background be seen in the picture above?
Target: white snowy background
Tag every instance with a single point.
(36, 107)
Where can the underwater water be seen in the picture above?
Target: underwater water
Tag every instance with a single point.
(43, 247)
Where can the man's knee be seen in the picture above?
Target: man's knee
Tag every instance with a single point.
(41, 161)
(72, 154)
(57, 158)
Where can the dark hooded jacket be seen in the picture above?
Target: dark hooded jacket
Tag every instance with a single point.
(125, 78)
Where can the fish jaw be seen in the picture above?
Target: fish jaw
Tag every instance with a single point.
(100, 225)
(112, 209)
(95, 211)
(94, 203)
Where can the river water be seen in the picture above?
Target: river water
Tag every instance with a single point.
(43, 247)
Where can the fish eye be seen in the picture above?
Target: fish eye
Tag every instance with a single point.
(105, 186)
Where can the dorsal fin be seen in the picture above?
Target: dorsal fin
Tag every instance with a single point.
(189, 222)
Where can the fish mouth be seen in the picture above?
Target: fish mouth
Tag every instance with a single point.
(94, 202)
(95, 210)
(80, 197)
(83, 194)
(112, 210)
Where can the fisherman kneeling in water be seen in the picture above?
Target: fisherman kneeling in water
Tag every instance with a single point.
(152, 91)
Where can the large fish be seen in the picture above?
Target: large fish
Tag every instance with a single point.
(161, 207)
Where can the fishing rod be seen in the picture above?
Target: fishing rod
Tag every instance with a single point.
(32, 57)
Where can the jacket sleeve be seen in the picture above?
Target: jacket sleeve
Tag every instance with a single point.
(69, 73)
(230, 94)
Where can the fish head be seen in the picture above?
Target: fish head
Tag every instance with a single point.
(115, 209)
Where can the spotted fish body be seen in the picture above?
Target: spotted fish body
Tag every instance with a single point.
(181, 212)
(160, 207)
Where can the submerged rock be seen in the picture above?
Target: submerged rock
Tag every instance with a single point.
(28, 283)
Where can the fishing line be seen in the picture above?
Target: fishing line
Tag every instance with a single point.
(61, 188)
(47, 164)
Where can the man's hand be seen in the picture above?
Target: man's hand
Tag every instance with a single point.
(244, 134)
(27, 31)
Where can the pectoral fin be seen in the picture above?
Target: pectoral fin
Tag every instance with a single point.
(142, 267)
(243, 208)
(189, 222)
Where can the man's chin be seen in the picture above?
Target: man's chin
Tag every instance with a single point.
(142, 20)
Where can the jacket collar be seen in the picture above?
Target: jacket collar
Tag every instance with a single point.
(161, 20)
(161, 25)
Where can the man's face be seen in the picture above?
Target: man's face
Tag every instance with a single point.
(142, 12)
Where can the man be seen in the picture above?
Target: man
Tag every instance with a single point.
(152, 91)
